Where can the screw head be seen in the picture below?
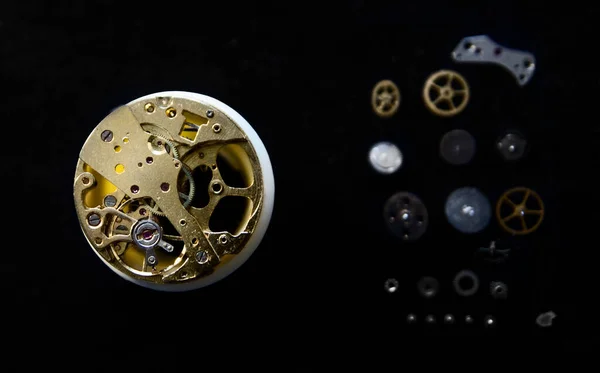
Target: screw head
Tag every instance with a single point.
(94, 220)
(202, 257)
(152, 260)
(210, 113)
(110, 201)
(149, 107)
(106, 136)
(216, 128)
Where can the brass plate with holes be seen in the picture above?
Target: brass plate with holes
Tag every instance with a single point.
(520, 211)
(446, 93)
(173, 163)
(385, 98)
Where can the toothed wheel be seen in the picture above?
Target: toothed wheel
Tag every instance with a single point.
(174, 190)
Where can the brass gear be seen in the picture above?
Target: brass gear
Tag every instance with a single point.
(385, 98)
(446, 93)
(520, 210)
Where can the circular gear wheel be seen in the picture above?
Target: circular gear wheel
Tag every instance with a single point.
(457, 147)
(406, 216)
(446, 93)
(174, 190)
(520, 211)
(385, 98)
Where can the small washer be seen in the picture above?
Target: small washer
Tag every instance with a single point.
(391, 285)
(466, 290)
(428, 287)
(498, 290)
(385, 157)
(406, 216)
(457, 147)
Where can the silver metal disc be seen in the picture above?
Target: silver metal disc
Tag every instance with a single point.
(468, 210)
(385, 157)
(457, 147)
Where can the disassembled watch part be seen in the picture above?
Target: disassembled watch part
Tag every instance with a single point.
(385, 157)
(520, 211)
(391, 285)
(428, 286)
(512, 146)
(457, 147)
(498, 290)
(493, 254)
(468, 210)
(174, 190)
(385, 98)
(466, 283)
(446, 93)
(489, 321)
(406, 216)
(482, 49)
(545, 319)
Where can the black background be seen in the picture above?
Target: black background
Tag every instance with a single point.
(302, 75)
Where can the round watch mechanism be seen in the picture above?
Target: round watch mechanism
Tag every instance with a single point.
(512, 146)
(520, 211)
(457, 147)
(468, 210)
(174, 190)
(385, 157)
(446, 93)
(385, 98)
(405, 216)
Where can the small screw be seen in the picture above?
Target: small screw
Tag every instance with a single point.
(201, 155)
(94, 220)
(98, 240)
(152, 260)
(149, 108)
(171, 113)
(85, 180)
(210, 114)
(216, 128)
(135, 189)
(106, 136)
(143, 212)
(202, 257)
(110, 201)
(490, 321)
(165, 187)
